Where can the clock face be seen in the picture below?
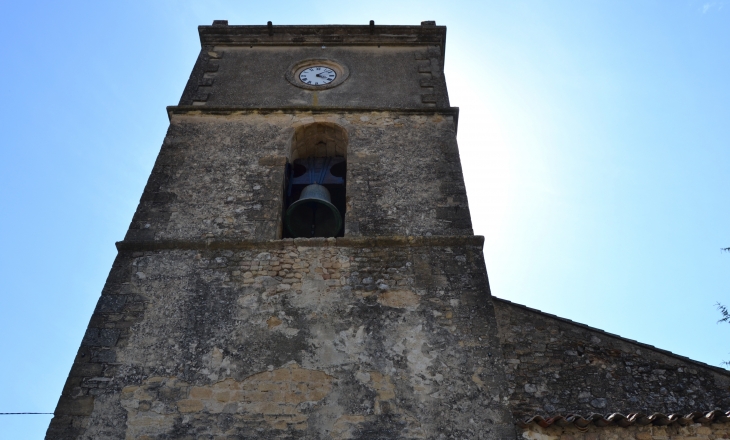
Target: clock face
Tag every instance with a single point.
(317, 75)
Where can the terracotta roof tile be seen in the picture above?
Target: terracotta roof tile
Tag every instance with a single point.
(617, 419)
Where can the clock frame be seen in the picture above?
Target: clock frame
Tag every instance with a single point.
(293, 74)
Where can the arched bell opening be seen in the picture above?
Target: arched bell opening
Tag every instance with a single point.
(314, 193)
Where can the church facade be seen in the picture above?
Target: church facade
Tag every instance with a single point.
(302, 265)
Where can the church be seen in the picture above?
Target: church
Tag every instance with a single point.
(302, 265)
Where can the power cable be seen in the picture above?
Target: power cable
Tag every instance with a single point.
(14, 414)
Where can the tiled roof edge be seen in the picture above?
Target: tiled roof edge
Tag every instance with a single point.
(598, 330)
(617, 419)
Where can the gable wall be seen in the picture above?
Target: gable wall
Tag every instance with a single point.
(558, 367)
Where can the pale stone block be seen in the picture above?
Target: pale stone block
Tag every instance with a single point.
(189, 406)
(282, 374)
(223, 396)
(201, 393)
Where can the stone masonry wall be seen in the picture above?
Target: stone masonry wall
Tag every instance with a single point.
(306, 338)
(380, 77)
(222, 177)
(557, 367)
(691, 432)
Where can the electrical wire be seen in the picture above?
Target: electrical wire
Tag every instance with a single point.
(14, 414)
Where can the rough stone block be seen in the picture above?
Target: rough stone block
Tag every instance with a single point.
(79, 406)
(101, 337)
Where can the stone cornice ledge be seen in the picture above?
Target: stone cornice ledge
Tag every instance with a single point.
(200, 110)
(330, 35)
(354, 242)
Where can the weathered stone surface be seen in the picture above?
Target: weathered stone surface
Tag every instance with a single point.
(364, 344)
(557, 367)
(382, 74)
(272, 398)
(223, 177)
(82, 406)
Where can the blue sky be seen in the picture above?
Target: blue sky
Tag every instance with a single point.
(594, 137)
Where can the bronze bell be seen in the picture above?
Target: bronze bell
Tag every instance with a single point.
(313, 215)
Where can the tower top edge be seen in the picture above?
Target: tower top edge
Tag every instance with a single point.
(222, 33)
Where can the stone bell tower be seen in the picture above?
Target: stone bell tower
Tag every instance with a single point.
(301, 263)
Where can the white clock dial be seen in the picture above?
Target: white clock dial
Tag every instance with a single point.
(317, 75)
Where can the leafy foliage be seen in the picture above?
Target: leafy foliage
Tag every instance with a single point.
(725, 318)
(724, 312)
